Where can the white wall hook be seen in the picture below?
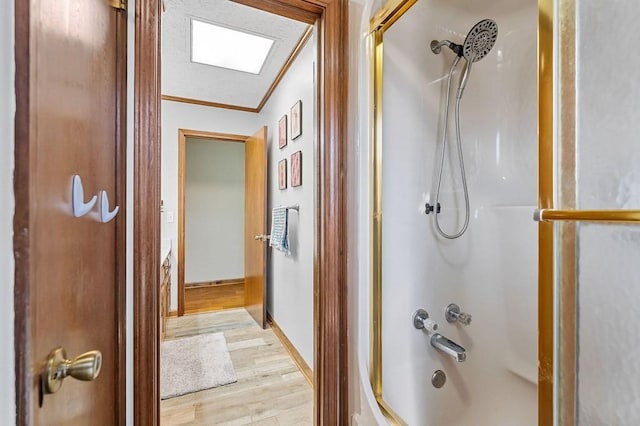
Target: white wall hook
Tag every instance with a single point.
(105, 214)
(80, 208)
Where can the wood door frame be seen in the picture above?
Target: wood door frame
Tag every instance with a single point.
(183, 134)
(330, 277)
(22, 215)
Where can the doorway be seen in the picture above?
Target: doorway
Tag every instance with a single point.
(330, 348)
(211, 196)
(221, 202)
(210, 256)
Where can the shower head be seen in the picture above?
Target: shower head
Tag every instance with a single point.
(480, 40)
(478, 43)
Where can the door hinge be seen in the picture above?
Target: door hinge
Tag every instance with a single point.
(118, 4)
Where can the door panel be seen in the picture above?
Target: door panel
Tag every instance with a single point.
(255, 256)
(607, 155)
(607, 324)
(75, 263)
(590, 186)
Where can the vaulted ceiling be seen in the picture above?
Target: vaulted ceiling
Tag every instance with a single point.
(182, 78)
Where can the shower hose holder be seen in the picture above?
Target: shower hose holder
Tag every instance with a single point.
(428, 208)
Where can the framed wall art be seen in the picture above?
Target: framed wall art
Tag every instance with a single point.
(296, 120)
(282, 174)
(296, 168)
(282, 132)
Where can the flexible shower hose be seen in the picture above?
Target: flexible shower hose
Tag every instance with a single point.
(460, 158)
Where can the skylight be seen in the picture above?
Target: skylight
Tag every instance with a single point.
(227, 48)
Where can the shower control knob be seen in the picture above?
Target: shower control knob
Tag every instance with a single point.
(452, 314)
(421, 321)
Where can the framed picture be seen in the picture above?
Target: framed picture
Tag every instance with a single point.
(282, 132)
(282, 174)
(296, 168)
(296, 120)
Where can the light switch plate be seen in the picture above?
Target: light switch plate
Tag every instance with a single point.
(169, 217)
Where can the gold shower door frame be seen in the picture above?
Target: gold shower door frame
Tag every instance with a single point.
(381, 21)
(557, 280)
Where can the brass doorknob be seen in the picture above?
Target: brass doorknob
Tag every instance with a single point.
(262, 237)
(83, 367)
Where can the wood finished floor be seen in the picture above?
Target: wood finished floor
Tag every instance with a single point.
(270, 389)
(210, 298)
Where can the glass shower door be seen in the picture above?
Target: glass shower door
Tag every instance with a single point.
(589, 213)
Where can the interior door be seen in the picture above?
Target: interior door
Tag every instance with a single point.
(255, 228)
(70, 265)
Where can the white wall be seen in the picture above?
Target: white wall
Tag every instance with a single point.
(214, 210)
(7, 111)
(176, 116)
(290, 299)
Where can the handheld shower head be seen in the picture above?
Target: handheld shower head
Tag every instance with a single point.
(466, 72)
(479, 42)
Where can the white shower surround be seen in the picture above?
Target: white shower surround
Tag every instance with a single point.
(491, 271)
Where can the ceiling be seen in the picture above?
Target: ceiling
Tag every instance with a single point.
(185, 79)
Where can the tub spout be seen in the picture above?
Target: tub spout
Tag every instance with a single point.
(449, 347)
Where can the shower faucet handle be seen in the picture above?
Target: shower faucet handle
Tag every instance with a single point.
(453, 314)
(421, 321)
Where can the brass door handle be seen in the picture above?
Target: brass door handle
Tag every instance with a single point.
(262, 237)
(83, 367)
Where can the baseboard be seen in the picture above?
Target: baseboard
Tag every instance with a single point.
(172, 314)
(295, 355)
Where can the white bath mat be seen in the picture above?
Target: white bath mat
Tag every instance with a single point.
(194, 363)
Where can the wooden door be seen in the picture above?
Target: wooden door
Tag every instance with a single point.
(70, 69)
(255, 225)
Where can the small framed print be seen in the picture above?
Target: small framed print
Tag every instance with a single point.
(282, 132)
(296, 168)
(282, 174)
(296, 120)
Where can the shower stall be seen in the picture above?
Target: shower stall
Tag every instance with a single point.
(455, 246)
(502, 286)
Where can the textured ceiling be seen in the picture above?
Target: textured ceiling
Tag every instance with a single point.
(182, 78)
